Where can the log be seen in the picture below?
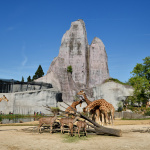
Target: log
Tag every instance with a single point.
(105, 130)
(98, 128)
(101, 129)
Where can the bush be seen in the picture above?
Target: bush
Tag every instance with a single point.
(120, 109)
(147, 112)
(55, 109)
(69, 69)
(115, 80)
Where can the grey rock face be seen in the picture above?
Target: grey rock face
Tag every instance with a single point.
(98, 66)
(89, 63)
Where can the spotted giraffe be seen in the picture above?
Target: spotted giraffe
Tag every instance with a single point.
(105, 108)
(4, 98)
(95, 112)
(73, 105)
(108, 114)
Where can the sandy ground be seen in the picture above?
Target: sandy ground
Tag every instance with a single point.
(136, 136)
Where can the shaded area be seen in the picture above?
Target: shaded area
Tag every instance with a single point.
(10, 86)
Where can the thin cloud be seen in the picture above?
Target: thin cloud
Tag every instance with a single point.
(24, 61)
(24, 56)
(147, 34)
(10, 28)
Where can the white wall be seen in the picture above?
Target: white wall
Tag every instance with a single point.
(112, 92)
(28, 102)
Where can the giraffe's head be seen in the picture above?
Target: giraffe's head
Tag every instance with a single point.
(5, 98)
(87, 109)
(81, 93)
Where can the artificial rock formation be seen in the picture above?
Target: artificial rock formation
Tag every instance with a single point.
(89, 63)
(98, 66)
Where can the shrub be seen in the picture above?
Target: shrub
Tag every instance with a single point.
(147, 112)
(69, 69)
(55, 109)
(120, 109)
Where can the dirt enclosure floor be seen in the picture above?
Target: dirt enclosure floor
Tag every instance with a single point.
(136, 136)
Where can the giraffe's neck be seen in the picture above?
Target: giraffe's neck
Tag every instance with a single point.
(2, 99)
(86, 100)
(55, 116)
(74, 104)
(74, 120)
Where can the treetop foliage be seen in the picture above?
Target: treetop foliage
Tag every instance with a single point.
(140, 80)
(39, 73)
(22, 80)
(29, 79)
(142, 70)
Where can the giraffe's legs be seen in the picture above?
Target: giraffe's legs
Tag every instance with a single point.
(97, 114)
(101, 119)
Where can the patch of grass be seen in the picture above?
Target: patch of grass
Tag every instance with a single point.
(115, 80)
(13, 116)
(136, 119)
(18, 124)
(75, 139)
(10, 116)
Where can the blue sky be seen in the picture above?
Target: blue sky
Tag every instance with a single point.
(31, 33)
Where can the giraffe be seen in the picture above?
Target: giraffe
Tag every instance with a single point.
(105, 108)
(73, 105)
(4, 98)
(108, 113)
(85, 97)
(147, 104)
(95, 113)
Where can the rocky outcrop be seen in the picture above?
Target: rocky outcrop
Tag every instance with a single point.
(98, 65)
(89, 63)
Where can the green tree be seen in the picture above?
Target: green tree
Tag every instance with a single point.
(140, 80)
(29, 79)
(22, 80)
(39, 73)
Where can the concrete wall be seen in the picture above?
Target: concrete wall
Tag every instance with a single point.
(5, 107)
(28, 102)
(129, 115)
(112, 92)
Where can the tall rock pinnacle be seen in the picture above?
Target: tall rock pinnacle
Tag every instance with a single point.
(89, 63)
(98, 65)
